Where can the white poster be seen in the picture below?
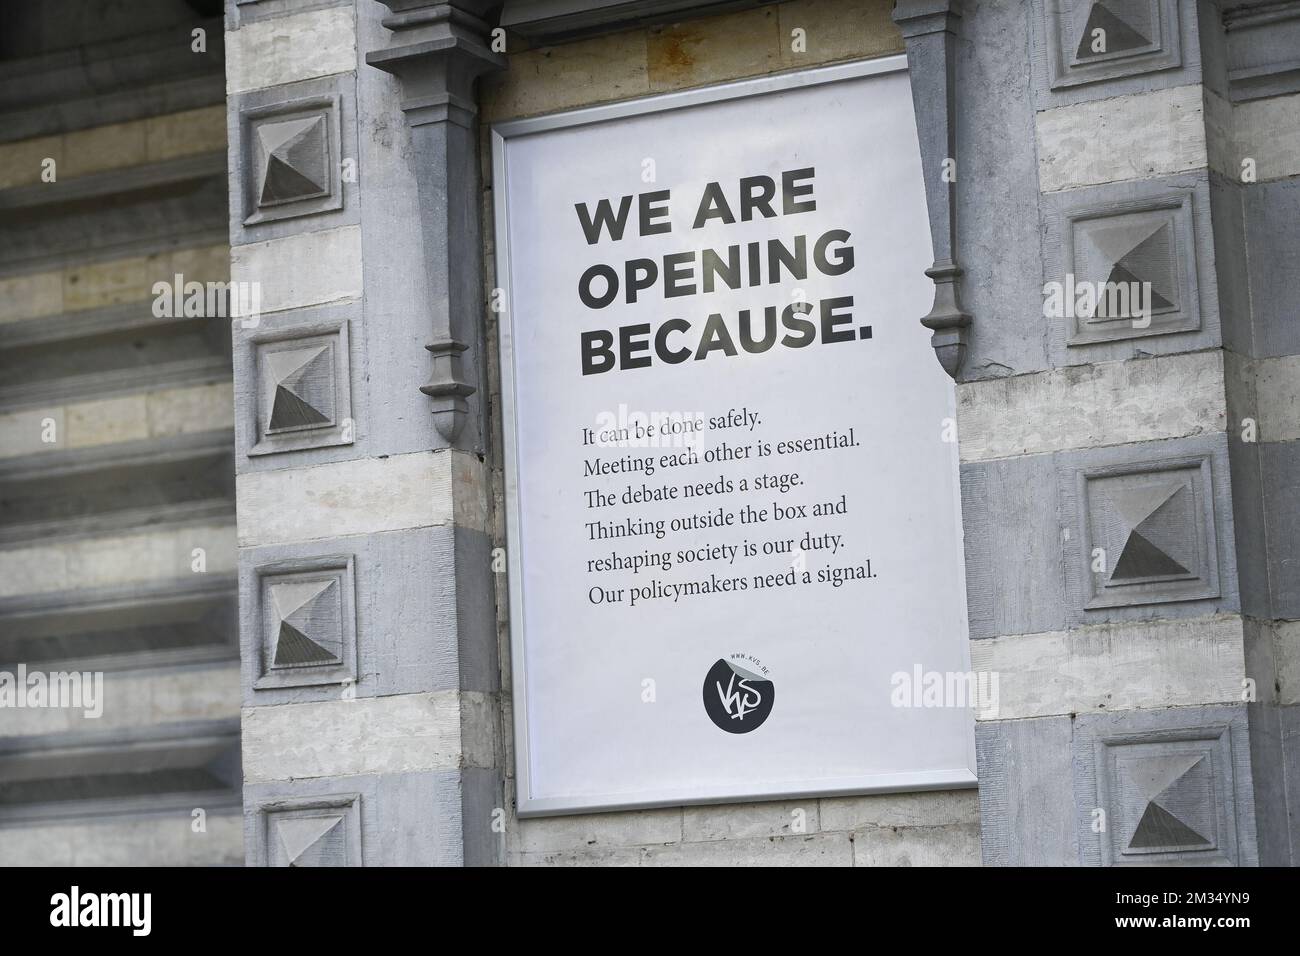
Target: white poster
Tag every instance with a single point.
(735, 549)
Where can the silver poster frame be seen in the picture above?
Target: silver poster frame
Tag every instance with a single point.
(526, 804)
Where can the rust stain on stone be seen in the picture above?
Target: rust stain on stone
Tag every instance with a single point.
(671, 52)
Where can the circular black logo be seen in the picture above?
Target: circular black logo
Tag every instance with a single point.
(738, 694)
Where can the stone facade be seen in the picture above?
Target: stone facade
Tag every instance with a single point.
(117, 508)
(1117, 672)
(1128, 534)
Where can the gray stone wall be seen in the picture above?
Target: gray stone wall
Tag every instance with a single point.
(1124, 673)
(390, 748)
(117, 517)
(369, 678)
(1127, 500)
(1127, 533)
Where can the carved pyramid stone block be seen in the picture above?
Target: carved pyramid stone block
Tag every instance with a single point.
(302, 388)
(291, 159)
(323, 831)
(1133, 251)
(1163, 787)
(294, 161)
(1131, 270)
(310, 630)
(1089, 41)
(1114, 27)
(308, 623)
(303, 395)
(310, 841)
(1149, 534)
(1176, 793)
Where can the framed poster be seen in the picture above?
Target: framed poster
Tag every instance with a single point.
(734, 537)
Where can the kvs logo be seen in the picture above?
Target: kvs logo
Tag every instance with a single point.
(738, 693)
(736, 702)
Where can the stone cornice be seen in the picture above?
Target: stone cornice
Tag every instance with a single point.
(111, 82)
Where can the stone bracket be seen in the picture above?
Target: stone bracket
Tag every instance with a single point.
(930, 29)
(438, 51)
(448, 387)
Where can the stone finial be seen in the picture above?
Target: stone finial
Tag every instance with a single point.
(930, 30)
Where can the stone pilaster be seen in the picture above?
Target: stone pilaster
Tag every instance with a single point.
(438, 50)
(368, 631)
